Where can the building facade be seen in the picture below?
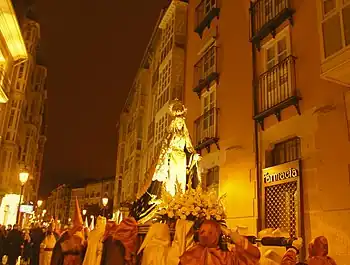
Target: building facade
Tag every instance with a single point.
(145, 119)
(22, 126)
(98, 189)
(288, 167)
(58, 203)
(76, 194)
(12, 53)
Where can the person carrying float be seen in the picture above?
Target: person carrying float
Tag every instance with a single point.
(119, 242)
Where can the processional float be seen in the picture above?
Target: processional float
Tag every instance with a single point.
(172, 194)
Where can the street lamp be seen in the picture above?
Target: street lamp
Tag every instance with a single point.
(23, 178)
(104, 203)
(39, 203)
(84, 212)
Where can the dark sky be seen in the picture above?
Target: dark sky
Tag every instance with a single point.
(92, 49)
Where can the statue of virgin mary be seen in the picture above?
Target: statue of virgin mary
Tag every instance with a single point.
(178, 157)
(176, 166)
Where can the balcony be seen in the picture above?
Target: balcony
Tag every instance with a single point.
(206, 130)
(155, 76)
(4, 86)
(267, 16)
(206, 11)
(150, 131)
(205, 71)
(276, 90)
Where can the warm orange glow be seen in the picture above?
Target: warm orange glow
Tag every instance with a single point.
(11, 31)
(23, 177)
(3, 96)
(104, 201)
(39, 203)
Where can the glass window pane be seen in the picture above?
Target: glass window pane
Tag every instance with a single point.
(332, 38)
(328, 6)
(282, 45)
(346, 21)
(270, 53)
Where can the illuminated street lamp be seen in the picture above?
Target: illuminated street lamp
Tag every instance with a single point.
(39, 203)
(84, 212)
(23, 178)
(44, 212)
(104, 203)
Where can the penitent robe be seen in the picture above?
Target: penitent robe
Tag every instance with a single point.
(46, 249)
(69, 250)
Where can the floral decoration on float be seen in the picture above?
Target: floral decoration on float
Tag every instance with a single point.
(194, 204)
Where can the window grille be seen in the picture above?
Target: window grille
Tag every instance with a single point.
(284, 152)
(281, 209)
(212, 178)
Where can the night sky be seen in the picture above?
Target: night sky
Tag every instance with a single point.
(92, 50)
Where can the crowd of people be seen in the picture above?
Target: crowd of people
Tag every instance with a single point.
(25, 243)
(110, 243)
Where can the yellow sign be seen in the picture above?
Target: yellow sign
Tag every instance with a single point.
(286, 171)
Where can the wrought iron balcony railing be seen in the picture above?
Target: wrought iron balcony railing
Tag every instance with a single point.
(206, 11)
(206, 130)
(155, 76)
(267, 16)
(150, 132)
(206, 70)
(5, 86)
(276, 90)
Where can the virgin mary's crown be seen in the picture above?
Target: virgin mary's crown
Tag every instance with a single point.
(177, 109)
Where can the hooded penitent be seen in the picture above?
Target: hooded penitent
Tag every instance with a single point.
(156, 245)
(69, 249)
(95, 243)
(183, 240)
(207, 251)
(318, 252)
(126, 232)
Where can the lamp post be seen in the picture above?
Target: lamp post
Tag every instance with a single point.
(23, 178)
(104, 203)
(39, 203)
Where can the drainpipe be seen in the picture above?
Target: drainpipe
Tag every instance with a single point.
(256, 126)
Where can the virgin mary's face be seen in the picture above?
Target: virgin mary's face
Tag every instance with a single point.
(179, 124)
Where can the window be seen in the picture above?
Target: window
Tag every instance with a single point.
(278, 79)
(208, 6)
(4, 161)
(167, 38)
(121, 159)
(136, 188)
(212, 178)
(11, 118)
(335, 25)
(21, 70)
(284, 152)
(208, 62)
(208, 114)
(163, 95)
(160, 129)
(273, 8)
